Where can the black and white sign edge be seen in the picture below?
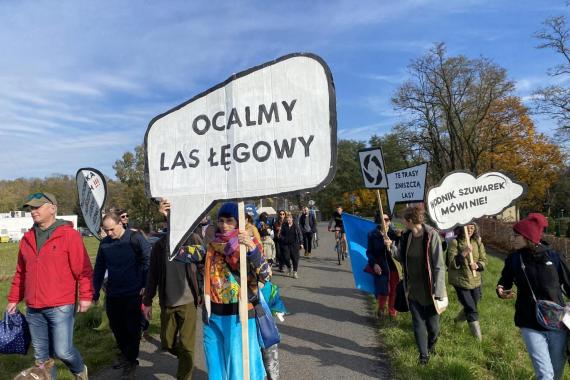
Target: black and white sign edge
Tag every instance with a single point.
(95, 233)
(332, 123)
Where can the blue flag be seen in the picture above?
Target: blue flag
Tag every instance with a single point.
(357, 230)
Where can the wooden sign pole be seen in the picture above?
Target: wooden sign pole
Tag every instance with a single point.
(468, 240)
(243, 299)
(381, 211)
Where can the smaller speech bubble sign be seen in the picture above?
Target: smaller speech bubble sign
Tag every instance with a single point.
(92, 193)
(460, 197)
(406, 185)
(372, 167)
(265, 131)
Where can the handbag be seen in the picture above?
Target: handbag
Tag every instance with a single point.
(440, 305)
(549, 314)
(266, 327)
(14, 334)
(401, 301)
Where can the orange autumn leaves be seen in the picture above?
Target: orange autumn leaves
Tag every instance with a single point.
(521, 152)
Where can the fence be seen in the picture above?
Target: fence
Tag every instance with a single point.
(498, 234)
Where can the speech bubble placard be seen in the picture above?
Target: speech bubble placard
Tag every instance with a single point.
(460, 197)
(372, 167)
(406, 185)
(266, 131)
(92, 193)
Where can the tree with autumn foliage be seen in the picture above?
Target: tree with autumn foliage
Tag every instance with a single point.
(447, 99)
(529, 157)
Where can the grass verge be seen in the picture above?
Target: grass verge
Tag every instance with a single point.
(502, 354)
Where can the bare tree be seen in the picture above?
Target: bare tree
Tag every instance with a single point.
(448, 100)
(555, 100)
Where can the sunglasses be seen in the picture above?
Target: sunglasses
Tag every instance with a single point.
(386, 219)
(38, 196)
(281, 213)
(124, 216)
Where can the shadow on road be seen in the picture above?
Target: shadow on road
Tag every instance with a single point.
(295, 306)
(323, 340)
(330, 358)
(334, 292)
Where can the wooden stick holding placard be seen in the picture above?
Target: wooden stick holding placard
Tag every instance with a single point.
(243, 298)
(381, 211)
(468, 240)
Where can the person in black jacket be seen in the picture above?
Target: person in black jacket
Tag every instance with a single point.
(179, 286)
(534, 268)
(124, 253)
(386, 273)
(290, 240)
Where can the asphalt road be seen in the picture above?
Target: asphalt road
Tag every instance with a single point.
(330, 332)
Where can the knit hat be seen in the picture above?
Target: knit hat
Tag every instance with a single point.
(229, 209)
(531, 227)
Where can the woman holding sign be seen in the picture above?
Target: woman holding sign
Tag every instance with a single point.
(539, 274)
(386, 270)
(422, 258)
(465, 275)
(222, 329)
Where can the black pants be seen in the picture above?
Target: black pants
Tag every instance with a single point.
(125, 320)
(290, 253)
(469, 298)
(425, 321)
(308, 241)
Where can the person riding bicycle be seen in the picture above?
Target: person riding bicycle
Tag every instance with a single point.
(338, 227)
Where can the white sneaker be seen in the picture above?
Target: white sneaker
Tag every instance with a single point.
(295, 275)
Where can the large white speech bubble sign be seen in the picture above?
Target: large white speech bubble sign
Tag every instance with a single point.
(268, 130)
(406, 185)
(372, 168)
(461, 197)
(92, 193)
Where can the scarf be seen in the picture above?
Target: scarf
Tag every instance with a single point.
(227, 243)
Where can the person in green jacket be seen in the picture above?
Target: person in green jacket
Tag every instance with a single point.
(465, 264)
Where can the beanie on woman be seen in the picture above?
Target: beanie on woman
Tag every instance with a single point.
(532, 227)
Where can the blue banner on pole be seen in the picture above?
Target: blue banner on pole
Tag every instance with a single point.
(357, 230)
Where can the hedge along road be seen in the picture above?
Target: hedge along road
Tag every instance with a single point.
(329, 334)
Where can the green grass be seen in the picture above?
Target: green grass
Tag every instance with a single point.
(502, 354)
(97, 348)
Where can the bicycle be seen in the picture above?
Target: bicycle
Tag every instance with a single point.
(339, 245)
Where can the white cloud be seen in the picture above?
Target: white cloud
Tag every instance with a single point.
(71, 69)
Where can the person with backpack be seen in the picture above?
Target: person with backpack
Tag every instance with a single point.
(465, 262)
(539, 274)
(124, 254)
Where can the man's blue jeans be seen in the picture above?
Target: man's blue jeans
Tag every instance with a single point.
(51, 329)
(547, 351)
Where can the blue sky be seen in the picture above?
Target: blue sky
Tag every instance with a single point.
(80, 81)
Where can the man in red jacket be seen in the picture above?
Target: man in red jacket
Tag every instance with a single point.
(52, 261)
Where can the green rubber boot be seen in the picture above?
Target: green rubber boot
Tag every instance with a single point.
(104, 323)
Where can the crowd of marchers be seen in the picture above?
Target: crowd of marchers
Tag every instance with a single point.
(415, 260)
(55, 279)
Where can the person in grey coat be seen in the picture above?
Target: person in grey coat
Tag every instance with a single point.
(422, 258)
